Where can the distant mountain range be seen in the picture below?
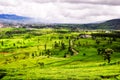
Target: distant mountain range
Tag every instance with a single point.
(12, 18)
(15, 19)
(110, 24)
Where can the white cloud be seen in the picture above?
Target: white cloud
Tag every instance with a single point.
(105, 2)
(63, 11)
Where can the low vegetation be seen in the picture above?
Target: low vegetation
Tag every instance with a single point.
(51, 53)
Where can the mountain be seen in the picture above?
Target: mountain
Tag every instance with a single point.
(13, 19)
(110, 24)
(113, 24)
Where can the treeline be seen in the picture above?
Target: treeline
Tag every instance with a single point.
(111, 24)
(9, 34)
(113, 35)
(110, 39)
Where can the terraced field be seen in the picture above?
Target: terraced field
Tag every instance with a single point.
(48, 54)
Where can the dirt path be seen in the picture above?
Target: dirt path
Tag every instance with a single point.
(73, 50)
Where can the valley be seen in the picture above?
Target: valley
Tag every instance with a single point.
(59, 53)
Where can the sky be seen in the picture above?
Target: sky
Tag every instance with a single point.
(63, 11)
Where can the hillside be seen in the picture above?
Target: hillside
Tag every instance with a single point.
(6, 19)
(13, 19)
(110, 24)
(56, 54)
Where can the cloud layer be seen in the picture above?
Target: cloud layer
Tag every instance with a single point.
(63, 11)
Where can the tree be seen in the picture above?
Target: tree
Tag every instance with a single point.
(69, 47)
(13, 44)
(56, 45)
(48, 53)
(79, 44)
(107, 54)
(99, 51)
(62, 45)
(97, 42)
(33, 55)
(2, 43)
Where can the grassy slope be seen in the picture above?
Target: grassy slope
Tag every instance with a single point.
(76, 67)
(81, 67)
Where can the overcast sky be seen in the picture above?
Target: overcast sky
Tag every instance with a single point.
(63, 11)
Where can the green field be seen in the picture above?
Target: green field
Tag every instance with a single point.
(48, 54)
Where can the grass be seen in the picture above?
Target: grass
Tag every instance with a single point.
(78, 67)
